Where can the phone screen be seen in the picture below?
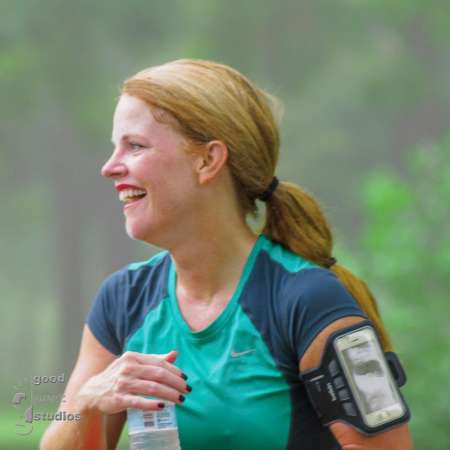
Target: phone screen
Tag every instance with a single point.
(370, 376)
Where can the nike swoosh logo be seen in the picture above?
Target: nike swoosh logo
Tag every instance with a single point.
(237, 354)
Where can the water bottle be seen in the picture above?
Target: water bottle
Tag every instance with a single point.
(153, 430)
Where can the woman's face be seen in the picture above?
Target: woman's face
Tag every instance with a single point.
(153, 174)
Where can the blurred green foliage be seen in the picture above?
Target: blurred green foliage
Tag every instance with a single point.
(405, 253)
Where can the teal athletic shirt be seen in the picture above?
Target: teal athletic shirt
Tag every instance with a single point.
(243, 367)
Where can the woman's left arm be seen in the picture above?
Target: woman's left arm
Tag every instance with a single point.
(397, 438)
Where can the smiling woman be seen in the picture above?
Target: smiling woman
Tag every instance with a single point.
(238, 313)
(148, 157)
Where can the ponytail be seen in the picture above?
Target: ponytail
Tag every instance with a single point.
(295, 220)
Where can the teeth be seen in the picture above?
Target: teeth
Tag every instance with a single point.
(128, 194)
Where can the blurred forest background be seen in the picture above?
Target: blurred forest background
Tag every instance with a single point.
(366, 89)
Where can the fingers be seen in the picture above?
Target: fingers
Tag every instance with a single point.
(138, 402)
(161, 375)
(156, 360)
(171, 356)
(150, 375)
(158, 390)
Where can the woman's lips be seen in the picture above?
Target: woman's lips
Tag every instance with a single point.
(132, 203)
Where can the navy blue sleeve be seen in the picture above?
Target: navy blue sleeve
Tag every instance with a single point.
(320, 299)
(106, 316)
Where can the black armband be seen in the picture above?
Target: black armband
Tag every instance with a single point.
(357, 382)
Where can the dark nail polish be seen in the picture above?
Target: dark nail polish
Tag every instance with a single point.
(188, 388)
(161, 405)
(181, 398)
(184, 376)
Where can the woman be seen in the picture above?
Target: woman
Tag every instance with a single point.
(236, 314)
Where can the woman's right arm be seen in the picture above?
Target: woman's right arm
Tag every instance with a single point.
(89, 431)
(102, 386)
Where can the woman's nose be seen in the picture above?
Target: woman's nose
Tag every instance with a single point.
(113, 167)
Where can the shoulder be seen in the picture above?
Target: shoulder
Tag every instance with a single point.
(303, 297)
(296, 280)
(316, 288)
(313, 300)
(137, 285)
(125, 297)
(149, 270)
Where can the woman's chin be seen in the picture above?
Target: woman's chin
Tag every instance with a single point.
(137, 232)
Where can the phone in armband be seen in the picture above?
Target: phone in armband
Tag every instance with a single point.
(369, 377)
(357, 382)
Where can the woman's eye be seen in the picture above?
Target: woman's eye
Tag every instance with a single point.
(135, 146)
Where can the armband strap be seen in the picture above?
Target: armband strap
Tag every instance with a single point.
(357, 382)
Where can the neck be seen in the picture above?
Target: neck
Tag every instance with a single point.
(209, 269)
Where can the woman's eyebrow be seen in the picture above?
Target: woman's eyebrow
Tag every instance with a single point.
(128, 137)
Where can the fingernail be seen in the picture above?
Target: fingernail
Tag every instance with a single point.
(188, 388)
(184, 376)
(161, 405)
(181, 398)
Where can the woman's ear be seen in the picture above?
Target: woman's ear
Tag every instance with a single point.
(211, 159)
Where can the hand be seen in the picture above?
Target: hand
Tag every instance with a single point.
(126, 380)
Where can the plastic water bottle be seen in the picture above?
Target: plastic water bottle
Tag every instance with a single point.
(153, 430)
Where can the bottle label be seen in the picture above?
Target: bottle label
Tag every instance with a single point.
(139, 420)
